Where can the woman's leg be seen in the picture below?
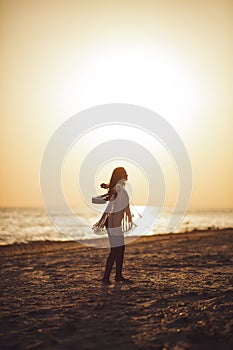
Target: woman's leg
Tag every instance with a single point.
(119, 261)
(109, 264)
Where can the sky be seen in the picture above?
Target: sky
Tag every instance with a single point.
(61, 57)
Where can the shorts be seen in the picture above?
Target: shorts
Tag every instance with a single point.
(116, 238)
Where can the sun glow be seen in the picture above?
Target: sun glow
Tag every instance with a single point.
(141, 75)
(146, 75)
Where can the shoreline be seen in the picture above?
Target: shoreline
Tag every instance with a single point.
(87, 243)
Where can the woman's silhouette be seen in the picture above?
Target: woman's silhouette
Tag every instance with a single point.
(116, 218)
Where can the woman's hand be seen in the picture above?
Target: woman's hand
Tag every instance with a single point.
(129, 217)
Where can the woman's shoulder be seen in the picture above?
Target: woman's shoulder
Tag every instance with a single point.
(119, 187)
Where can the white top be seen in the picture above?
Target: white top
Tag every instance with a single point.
(122, 199)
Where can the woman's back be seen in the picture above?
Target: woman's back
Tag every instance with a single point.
(120, 204)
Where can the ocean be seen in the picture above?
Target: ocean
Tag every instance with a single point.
(24, 225)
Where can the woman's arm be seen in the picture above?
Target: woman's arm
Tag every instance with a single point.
(101, 223)
(129, 215)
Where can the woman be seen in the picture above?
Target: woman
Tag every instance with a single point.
(116, 218)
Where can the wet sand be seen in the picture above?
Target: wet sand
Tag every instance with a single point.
(181, 296)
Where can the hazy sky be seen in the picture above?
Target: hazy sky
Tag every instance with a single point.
(60, 57)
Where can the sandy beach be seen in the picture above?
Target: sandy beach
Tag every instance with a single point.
(181, 296)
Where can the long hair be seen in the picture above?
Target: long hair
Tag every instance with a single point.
(117, 175)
